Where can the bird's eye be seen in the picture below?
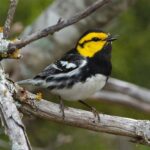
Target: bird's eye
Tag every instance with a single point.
(96, 39)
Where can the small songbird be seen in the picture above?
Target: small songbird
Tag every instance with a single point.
(81, 72)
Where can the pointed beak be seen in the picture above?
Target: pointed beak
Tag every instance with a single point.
(112, 38)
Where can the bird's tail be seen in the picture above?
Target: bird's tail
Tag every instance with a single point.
(30, 82)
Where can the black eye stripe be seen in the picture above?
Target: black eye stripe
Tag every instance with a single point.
(82, 45)
(96, 39)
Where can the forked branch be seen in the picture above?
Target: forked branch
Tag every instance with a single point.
(60, 25)
(136, 130)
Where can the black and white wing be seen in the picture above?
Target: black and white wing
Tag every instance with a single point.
(59, 74)
(63, 67)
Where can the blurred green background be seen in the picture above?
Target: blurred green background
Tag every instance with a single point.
(131, 62)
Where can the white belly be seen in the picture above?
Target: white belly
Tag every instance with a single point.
(81, 91)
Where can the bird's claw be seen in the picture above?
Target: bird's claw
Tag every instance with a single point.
(62, 108)
(96, 113)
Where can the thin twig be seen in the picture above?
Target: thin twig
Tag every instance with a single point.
(61, 24)
(10, 16)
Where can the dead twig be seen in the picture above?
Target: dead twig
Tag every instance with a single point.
(60, 25)
(10, 16)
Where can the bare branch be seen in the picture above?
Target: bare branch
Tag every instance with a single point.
(122, 92)
(137, 130)
(10, 16)
(4, 53)
(130, 89)
(123, 99)
(10, 116)
(61, 24)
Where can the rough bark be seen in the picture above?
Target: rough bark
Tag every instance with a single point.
(9, 114)
(10, 117)
(137, 130)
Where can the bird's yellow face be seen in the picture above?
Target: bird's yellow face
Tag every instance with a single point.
(91, 43)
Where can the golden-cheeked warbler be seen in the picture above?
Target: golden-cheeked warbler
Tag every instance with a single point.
(81, 72)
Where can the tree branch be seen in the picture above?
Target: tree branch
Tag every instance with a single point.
(4, 53)
(10, 16)
(137, 130)
(10, 116)
(130, 89)
(122, 92)
(60, 25)
(123, 99)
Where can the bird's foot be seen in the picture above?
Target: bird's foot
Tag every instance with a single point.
(62, 108)
(95, 112)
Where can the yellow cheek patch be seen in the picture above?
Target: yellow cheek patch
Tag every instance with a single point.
(88, 47)
(91, 48)
(89, 36)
